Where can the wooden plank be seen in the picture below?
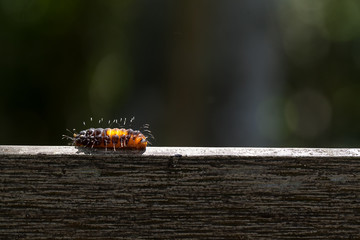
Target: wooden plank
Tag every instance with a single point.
(201, 152)
(50, 192)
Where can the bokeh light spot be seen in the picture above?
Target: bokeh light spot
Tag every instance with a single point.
(308, 113)
(108, 84)
(342, 20)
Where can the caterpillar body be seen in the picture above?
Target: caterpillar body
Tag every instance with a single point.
(111, 138)
(114, 138)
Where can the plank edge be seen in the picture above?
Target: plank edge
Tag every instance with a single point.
(203, 152)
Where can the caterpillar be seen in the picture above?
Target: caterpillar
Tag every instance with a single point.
(110, 138)
(113, 138)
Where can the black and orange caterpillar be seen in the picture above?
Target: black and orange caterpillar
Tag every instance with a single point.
(111, 138)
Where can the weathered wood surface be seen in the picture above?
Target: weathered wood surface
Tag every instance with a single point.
(179, 193)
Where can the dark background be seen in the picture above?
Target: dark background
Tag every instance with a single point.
(201, 73)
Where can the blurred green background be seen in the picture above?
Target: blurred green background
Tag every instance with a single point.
(201, 73)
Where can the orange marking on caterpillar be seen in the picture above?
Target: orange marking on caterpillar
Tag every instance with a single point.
(110, 138)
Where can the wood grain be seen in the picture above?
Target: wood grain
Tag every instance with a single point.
(50, 192)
